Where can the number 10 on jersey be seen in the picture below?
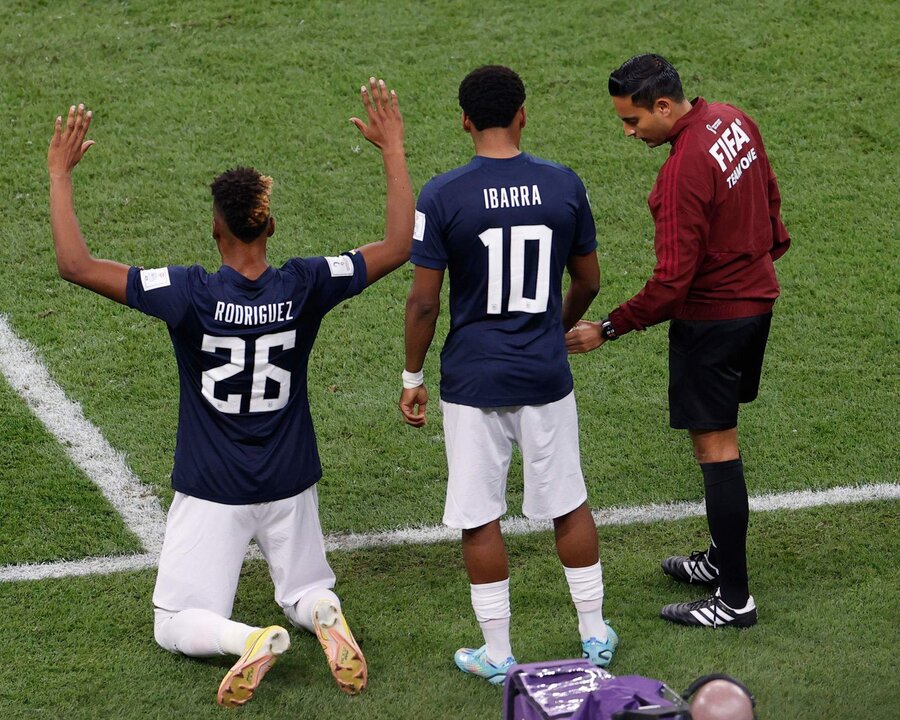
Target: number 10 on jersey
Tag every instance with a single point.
(519, 235)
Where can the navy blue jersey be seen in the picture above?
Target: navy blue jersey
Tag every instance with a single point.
(245, 434)
(504, 230)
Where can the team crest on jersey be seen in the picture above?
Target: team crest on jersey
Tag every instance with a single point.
(341, 266)
(419, 229)
(155, 278)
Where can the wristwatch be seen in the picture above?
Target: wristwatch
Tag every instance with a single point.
(607, 329)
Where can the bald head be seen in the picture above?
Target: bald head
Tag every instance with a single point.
(721, 700)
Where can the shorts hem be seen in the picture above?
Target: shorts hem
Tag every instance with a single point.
(297, 595)
(456, 525)
(705, 425)
(578, 504)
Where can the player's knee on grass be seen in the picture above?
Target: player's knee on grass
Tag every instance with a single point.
(162, 630)
(199, 633)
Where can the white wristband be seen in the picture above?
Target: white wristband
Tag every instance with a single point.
(413, 379)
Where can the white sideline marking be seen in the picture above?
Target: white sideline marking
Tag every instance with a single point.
(640, 514)
(141, 511)
(73, 568)
(85, 444)
(430, 534)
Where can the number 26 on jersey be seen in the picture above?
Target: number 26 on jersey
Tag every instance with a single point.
(263, 371)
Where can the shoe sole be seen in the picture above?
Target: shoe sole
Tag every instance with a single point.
(345, 659)
(241, 681)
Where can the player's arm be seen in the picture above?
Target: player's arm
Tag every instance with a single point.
(73, 259)
(385, 131)
(584, 271)
(422, 308)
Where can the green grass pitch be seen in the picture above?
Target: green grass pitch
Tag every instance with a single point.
(183, 90)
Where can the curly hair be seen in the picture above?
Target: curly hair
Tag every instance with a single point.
(491, 96)
(241, 196)
(646, 78)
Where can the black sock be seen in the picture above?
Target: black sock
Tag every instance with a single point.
(727, 512)
(712, 553)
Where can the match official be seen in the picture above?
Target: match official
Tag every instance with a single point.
(716, 208)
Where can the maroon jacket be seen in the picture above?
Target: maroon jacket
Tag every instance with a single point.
(716, 208)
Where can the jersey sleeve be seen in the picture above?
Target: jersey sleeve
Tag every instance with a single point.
(428, 249)
(585, 229)
(335, 279)
(163, 293)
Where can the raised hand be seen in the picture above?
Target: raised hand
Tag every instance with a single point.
(385, 128)
(385, 131)
(68, 146)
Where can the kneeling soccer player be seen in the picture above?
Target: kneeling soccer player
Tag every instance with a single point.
(246, 463)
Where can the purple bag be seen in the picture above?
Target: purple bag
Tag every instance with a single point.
(578, 690)
(632, 697)
(549, 690)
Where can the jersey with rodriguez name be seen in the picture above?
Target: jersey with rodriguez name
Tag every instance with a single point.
(504, 230)
(245, 433)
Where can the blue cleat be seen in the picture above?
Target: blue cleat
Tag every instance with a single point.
(475, 662)
(600, 653)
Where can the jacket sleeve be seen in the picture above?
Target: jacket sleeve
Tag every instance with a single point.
(680, 204)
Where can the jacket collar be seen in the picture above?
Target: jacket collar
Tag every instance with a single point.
(696, 112)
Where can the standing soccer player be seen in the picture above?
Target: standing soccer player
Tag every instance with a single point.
(246, 463)
(718, 230)
(506, 226)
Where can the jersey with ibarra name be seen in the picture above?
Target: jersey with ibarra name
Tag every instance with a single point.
(245, 433)
(504, 230)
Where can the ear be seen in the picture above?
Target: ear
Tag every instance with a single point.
(467, 124)
(664, 106)
(216, 228)
(270, 231)
(523, 117)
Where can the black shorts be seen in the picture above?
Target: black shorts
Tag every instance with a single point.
(714, 365)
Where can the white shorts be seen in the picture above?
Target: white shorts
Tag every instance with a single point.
(479, 448)
(206, 542)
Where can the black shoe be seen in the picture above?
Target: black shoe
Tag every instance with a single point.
(710, 612)
(695, 569)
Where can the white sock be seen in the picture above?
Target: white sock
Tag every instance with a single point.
(586, 587)
(748, 606)
(200, 633)
(490, 601)
(301, 612)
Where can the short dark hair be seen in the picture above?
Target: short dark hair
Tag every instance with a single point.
(646, 78)
(491, 96)
(241, 196)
